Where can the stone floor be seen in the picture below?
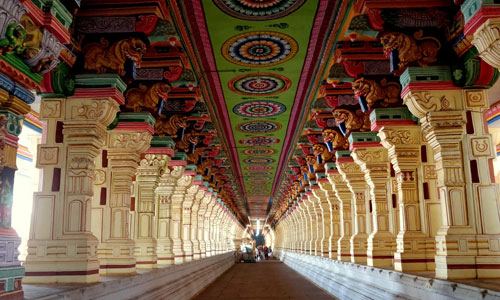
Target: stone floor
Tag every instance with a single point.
(263, 280)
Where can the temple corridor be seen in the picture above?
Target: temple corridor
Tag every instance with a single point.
(147, 146)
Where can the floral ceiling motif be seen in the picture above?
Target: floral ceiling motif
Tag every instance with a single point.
(264, 84)
(260, 9)
(259, 48)
(256, 109)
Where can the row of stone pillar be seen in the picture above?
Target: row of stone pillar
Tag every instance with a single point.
(412, 196)
(114, 199)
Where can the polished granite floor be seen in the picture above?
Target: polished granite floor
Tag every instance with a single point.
(268, 280)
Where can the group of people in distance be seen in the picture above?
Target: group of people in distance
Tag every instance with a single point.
(263, 253)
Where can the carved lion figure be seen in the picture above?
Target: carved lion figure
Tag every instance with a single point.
(101, 57)
(354, 121)
(164, 126)
(409, 51)
(388, 92)
(338, 140)
(146, 97)
(322, 150)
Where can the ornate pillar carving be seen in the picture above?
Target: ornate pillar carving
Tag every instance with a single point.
(126, 143)
(374, 162)
(12, 111)
(325, 221)
(453, 124)
(150, 169)
(344, 196)
(164, 193)
(201, 220)
(209, 222)
(176, 229)
(402, 141)
(334, 209)
(61, 219)
(196, 237)
(353, 176)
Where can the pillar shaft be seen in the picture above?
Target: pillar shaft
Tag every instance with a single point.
(60, 237)
(374, 163)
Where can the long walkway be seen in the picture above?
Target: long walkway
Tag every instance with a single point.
(264, 280)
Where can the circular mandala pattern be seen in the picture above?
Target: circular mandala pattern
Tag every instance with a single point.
(258, 168)
(259, 141)
(259, 151)
(256, 174)
(259, 127)
(259, 109)
(258, 9)
(259, 161)
(259, 48)
(264, 84)
(258, 179)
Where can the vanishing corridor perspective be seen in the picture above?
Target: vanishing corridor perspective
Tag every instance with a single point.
(249, 149)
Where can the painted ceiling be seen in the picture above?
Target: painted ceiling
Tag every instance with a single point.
(258, 58)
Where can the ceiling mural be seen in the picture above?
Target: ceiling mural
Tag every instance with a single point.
(255, 55)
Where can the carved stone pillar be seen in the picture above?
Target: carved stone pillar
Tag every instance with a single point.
(196, 237)
(182, 185)
(61, 247)
(164, 193)
(147, 179)
(334, 208)
(201, 220)
(354, 178)
(324, 220)
(298, 230)
(126, 143)
(187, 204)
(402, 140)
(374, 162)
(12, 111)
(316, 220)
(344, 196)
(208, 226)
(453, 124)
(215, 222)
(149, 173)
(305, 224)
(310, 214)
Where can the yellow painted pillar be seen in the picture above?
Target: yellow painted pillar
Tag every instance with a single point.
(374, 162)
(60, 235)
(354, 178)
(403, 144)
(339, 185)
(453, 123)
(147, 179)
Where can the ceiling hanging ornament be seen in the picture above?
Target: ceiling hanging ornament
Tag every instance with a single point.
(258, 10)
(259, 48)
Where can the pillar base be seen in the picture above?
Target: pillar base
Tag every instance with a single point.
(145, 253)
(164, 253)
(11, 280)
(358, 248)
(343, 252)
(412, 253)
(116, 257)
(76, 260)
(380, 252)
